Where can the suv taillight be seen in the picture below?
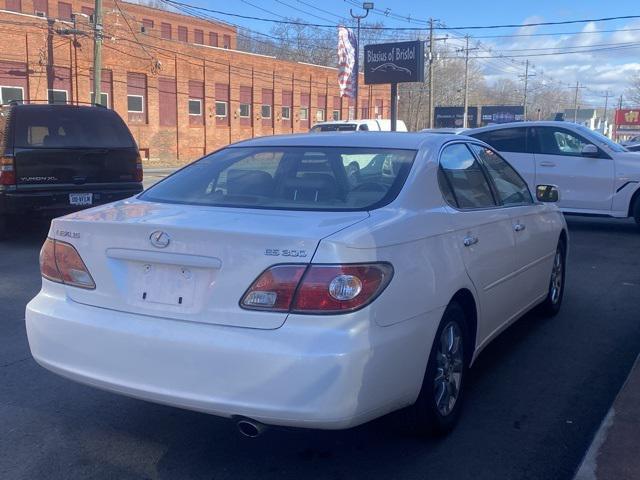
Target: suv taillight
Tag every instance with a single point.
(60, 262)
(319, 289)
(7, 171)
(139, 172)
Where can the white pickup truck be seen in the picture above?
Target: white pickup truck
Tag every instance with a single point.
(369, 124)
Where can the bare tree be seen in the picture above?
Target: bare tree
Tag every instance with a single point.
(633, 92)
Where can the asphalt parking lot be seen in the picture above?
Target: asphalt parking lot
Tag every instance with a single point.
(536, 398)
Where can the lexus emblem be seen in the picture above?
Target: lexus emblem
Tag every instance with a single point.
(160, 239)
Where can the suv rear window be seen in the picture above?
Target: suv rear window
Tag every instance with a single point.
(51, 127)
(289, 178)
(505, 139)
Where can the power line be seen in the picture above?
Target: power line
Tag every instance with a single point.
(466, 27)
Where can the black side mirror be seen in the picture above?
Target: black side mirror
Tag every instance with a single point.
(547, 193)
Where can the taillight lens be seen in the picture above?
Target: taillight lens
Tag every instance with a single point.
(60, 262)
(139, 171)
(7, 171)
(274, 289)
(318, 288)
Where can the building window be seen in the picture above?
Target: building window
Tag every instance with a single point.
(320, 115)
(245, 110)
(57, 97)
(198, 37)
(104, 99)
(195, 106)
(226, 41)
(213, 39)
(13, 5)
(286, 113)
(11, 94)
(183, 34)
(221, 109)
(304, 113)
(87, 11)
(65, 11)
(135, 103)
(41, 8)
(147, 25)
(335, 115)
(265, 111)
(165, 30)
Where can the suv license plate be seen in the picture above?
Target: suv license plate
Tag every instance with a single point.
(81, 198)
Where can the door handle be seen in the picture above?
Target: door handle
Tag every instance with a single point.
(470, 240)
(518, 227)
(547, 164)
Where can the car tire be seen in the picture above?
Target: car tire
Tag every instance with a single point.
(636, 210)
(437, 409)
(3, 227)
(552, 303)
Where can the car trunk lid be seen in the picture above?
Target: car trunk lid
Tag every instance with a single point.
(189, 262)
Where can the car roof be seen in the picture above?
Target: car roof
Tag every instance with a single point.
(400, 140)
(531, 123)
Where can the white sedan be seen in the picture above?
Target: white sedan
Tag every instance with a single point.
(313, 281)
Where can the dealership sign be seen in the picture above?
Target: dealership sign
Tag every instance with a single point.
(394, 62)
(628, 116)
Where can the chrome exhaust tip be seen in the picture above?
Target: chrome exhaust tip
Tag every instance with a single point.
(250, 428)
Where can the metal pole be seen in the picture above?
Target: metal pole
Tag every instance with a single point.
(394, 106)
(357, 67)
(526, 81)
(97, 52)
(575, 104)
(430, 73)
(366, 8)
(465, 121)
(606, 106)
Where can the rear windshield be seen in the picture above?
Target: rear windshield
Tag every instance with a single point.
(70, 128)
(289, 178)
(334, 127)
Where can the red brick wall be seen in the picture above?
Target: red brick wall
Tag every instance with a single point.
(54, 60)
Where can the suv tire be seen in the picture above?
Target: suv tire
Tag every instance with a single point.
(635, 211)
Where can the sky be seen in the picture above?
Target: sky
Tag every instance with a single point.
(610, 68)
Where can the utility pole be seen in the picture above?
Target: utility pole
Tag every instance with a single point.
(526, 84)
(465, 118)
(575, 102)
(606, 106)
(366, 6)
(97, 52)
(430, 73)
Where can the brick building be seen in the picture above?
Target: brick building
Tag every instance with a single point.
(178, 81)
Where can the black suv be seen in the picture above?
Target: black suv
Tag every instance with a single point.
(58, 158)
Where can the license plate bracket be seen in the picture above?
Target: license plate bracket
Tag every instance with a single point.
(167, 285)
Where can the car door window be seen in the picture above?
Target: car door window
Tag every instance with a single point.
(511, 188)
(558, 141)
(464, 179)
(505, 139)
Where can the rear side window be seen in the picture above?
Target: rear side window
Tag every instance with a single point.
(464, 180)
(505, 139)
(289, 178)
(511, 188)
(70, 128)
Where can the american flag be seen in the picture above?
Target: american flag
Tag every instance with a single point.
(347, 67)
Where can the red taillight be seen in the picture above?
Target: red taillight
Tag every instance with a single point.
(274, 289)
(60, 262)
(323, 288)
(7, 171)
(139, 172)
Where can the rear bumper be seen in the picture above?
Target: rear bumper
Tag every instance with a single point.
(315, 372)
(56, 201)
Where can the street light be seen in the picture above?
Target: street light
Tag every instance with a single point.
(366, 6)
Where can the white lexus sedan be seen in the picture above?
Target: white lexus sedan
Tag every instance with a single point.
(313, 281)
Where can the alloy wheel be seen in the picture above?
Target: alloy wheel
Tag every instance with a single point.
(449, 368)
